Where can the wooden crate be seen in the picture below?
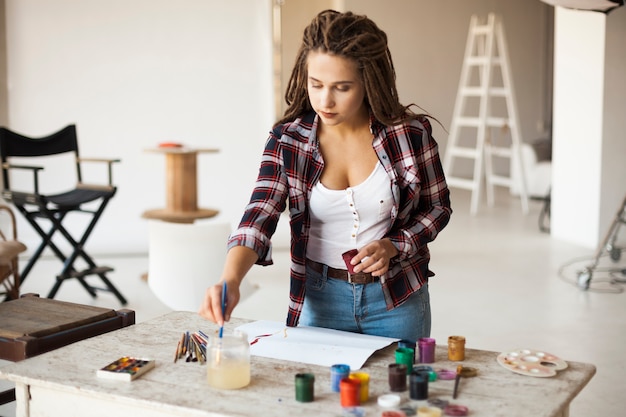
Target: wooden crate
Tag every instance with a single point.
(32, 325)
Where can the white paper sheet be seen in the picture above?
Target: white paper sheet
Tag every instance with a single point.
(312, 345)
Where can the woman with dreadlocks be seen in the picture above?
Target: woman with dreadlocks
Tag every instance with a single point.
(366, 192)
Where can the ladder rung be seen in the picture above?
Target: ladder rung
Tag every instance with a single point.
(472, 91)
(462, 183)
(478, 91)
(468, 121)
(464, 152)
(477, 60)
(483, 60)
(499, 91)
(499, 121)
(491, 121)
(500, 180)
(481, 29)
(499, 151)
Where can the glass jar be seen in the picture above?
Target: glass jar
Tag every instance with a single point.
(228, 361)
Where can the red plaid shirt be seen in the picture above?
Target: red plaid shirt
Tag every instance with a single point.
(291, 165)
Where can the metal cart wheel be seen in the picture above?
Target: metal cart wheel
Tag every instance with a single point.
(616, 253)
(584, 278)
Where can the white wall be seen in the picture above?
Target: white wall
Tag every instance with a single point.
(613, 183)
(131, 74)
(589, 146)
(578, 115)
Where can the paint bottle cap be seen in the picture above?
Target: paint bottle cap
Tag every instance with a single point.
(456, 410)
(429, 412)
(393, 413)
(389, 400)
(353, 412)
(446, 374)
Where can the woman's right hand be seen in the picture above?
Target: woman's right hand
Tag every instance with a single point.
(239, 260)
(211, 307)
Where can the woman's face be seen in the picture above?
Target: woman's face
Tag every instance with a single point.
(335, 89)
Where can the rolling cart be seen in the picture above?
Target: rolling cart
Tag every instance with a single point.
(607, 246)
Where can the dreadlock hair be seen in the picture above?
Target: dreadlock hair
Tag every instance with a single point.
(357, 38)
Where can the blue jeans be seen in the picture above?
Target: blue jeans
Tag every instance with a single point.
(361, 308)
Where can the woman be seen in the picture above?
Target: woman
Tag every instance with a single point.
(359, 171)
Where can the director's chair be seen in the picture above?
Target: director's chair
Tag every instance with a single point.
(52, 208)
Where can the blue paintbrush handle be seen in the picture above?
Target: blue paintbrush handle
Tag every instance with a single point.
(224, 300)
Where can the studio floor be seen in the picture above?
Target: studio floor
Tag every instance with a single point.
(500, 282)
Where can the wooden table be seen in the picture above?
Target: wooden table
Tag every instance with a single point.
(64, 383)
(181, 186)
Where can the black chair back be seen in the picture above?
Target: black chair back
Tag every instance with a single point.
(13, 144)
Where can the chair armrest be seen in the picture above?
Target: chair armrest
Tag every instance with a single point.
(34, 169)
(108, 161)
(31, 167)
(9, 212)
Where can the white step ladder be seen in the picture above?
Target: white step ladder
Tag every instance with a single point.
(485, 52)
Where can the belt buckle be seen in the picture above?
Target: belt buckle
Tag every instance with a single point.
(349, 278)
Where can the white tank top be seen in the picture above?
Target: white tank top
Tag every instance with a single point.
(348, 219)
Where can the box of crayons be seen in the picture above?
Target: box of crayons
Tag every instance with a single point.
(126, 368)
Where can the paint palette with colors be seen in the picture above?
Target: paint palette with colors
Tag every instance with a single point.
(531, 362)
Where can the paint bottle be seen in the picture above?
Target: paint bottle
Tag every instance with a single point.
(418, 385)
(427, 349)
(228, 361)
(305, 387)
(405, 356)
(337, 373)
(456, 348)
(404, 343)
(397, 377)
(428, 370)
(350, 392)
(364, 379)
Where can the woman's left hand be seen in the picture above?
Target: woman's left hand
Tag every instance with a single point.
(374, 257)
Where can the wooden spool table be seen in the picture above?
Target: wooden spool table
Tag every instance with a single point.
(181, 186)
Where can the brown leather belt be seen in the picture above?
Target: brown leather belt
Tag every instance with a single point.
(342, 274)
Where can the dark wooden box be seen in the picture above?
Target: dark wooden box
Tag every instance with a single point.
(31, 325)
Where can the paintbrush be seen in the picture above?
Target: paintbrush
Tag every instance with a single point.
(221, 334)
(456, 381)
(224, 300)
(177, 352)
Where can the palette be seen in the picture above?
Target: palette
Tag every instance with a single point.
(126, 368)
(531, 362)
